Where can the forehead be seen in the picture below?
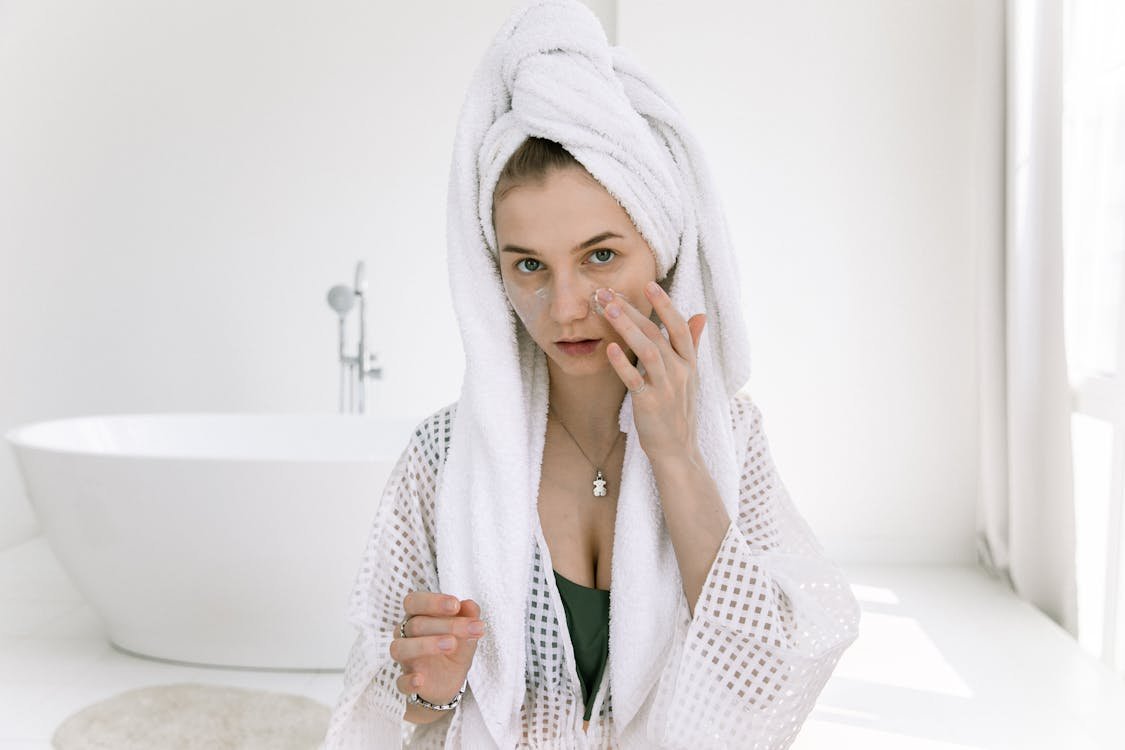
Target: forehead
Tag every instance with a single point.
(565, 203)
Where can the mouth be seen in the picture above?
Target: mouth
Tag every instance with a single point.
(578, 347)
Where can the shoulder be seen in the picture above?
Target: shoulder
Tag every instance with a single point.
(431, 435)
(436, 427)
(417, 474)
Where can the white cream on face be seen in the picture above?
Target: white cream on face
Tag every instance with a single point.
(533, 307)
(556, 297)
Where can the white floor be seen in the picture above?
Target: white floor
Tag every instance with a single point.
(950, 659)
(947, 659)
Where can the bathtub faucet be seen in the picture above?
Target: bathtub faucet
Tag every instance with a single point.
(354, 370)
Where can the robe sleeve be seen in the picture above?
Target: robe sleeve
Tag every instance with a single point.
(771, 622)
(398, 558)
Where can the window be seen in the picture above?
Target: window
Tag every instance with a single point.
(1093, 196)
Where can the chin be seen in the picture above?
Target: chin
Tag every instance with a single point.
(585, 364)
(577, 365)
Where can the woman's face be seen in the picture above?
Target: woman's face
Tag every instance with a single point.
(560, 241)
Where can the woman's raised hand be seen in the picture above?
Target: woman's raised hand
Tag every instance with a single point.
(441, 640)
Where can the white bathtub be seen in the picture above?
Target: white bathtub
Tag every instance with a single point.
(218, 539)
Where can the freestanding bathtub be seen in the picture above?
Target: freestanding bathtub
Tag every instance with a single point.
(216, 539)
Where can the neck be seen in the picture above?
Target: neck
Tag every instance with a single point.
(588, 405)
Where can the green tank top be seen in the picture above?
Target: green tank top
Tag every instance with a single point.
(587, 618)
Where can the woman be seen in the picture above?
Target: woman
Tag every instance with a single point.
(597, 529)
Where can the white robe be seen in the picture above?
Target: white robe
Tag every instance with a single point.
(770, 625)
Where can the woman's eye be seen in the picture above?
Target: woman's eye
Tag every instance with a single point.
(612, 255)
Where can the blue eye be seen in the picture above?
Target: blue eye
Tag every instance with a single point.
(604, 250)
(525, 260)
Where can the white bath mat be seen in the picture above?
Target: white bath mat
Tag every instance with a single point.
(195, 717)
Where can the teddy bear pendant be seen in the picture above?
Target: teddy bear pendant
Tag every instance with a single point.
(599, 485)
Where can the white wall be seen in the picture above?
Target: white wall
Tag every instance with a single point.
(854, 144)
(182, 183)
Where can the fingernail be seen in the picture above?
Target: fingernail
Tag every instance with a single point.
(451, 605)
(613, 311)
(416, 681)
(476, 628)
(605, 295)
(445, 644)
(653, 287)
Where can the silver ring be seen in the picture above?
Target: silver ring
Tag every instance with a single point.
(639, 390)
(402, 628)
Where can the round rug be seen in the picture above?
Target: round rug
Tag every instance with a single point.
(194, 717)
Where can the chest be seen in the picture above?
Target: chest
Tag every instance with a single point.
(577, 525)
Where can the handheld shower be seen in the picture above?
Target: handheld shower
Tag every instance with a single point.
(342, 299)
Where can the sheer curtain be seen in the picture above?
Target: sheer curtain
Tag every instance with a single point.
(1093, 246)
(1053, 399)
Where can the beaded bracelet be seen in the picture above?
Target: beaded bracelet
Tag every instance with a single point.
(415, 698)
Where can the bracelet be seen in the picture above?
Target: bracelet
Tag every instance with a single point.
(415, 698)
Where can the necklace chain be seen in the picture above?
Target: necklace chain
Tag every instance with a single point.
(599, 478)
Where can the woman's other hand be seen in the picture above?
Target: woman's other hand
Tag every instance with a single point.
(430, 669)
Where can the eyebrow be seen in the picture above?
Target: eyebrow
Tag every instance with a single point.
(592, 241)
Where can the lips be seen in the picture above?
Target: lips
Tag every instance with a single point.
(578, 348)
(574, 341)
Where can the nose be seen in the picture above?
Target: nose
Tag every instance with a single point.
(569, 298)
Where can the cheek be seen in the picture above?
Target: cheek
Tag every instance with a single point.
(530, 304)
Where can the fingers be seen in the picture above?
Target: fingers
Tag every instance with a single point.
(405, 650)
(673, 321)
(643, 337)
(696, 325)
(420, 605)
(469, 608)
(409, 682)
(432, 629)
(646, 327)
(629, 374)
(420, 625)
(430, 603)
(431, 615)
(682, 337)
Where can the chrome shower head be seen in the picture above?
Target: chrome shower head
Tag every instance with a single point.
(341, 299)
